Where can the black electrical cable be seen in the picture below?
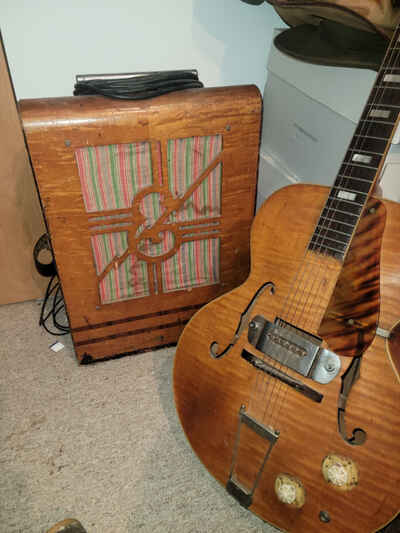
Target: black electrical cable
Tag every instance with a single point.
(138, 87)
(53, 304)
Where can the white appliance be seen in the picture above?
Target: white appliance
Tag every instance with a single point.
(310, 114)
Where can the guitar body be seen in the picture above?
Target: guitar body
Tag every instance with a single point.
(210, 392)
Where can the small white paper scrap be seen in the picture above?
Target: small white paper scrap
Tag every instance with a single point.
(57, 346)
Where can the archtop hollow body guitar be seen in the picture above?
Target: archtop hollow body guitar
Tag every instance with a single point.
(288, 387)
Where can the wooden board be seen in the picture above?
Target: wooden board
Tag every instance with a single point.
(21, 221)
(118, 179)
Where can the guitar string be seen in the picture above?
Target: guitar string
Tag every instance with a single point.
(279, 390)
(353, 147)
(346, 164)
(308, 267)
(269, 405)
(267, 381)
(343, 181)
(378, 96)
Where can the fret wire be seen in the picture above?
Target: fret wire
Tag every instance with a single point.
(327, 248)
(371, 137)
(336, 247)
(342, 212)
(338, 221)
(373, 121)
(375, 128)
(364, 180)
(349, 163)
(351, 202)
(358, 144)
(347, 189)
(386, 87)
(383, 105)
(359, 150)
(328, 239)
(335, 230)
(338, 206)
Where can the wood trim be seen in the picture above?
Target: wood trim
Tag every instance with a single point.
(136, 318)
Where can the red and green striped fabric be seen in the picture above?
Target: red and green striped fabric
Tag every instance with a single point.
(129, 279)
(112, 175)
(187, 159)
(195, 264)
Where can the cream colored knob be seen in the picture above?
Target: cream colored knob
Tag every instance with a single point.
(289, 490)
(340, 472)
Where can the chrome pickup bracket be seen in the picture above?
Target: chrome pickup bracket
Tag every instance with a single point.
(294, 348)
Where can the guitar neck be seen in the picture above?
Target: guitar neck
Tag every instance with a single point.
(362, 163)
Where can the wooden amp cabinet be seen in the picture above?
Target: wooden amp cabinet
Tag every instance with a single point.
(149, 205)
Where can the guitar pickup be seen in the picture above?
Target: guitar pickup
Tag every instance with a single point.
(294, 348)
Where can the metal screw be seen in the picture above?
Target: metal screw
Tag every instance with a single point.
(324, 516)
(330, 367)
(228, 127)
(67, 143)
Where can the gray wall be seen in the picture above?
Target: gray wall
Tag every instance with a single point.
(48, 42)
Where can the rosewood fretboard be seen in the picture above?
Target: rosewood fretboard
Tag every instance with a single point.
(362, 163)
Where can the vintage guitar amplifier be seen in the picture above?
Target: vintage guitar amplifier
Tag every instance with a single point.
(148, 205)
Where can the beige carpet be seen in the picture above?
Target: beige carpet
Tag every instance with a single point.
(101, 443)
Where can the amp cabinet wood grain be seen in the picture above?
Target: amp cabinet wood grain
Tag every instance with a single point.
(149, 205)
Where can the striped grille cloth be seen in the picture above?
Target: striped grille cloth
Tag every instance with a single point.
(110, 178)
